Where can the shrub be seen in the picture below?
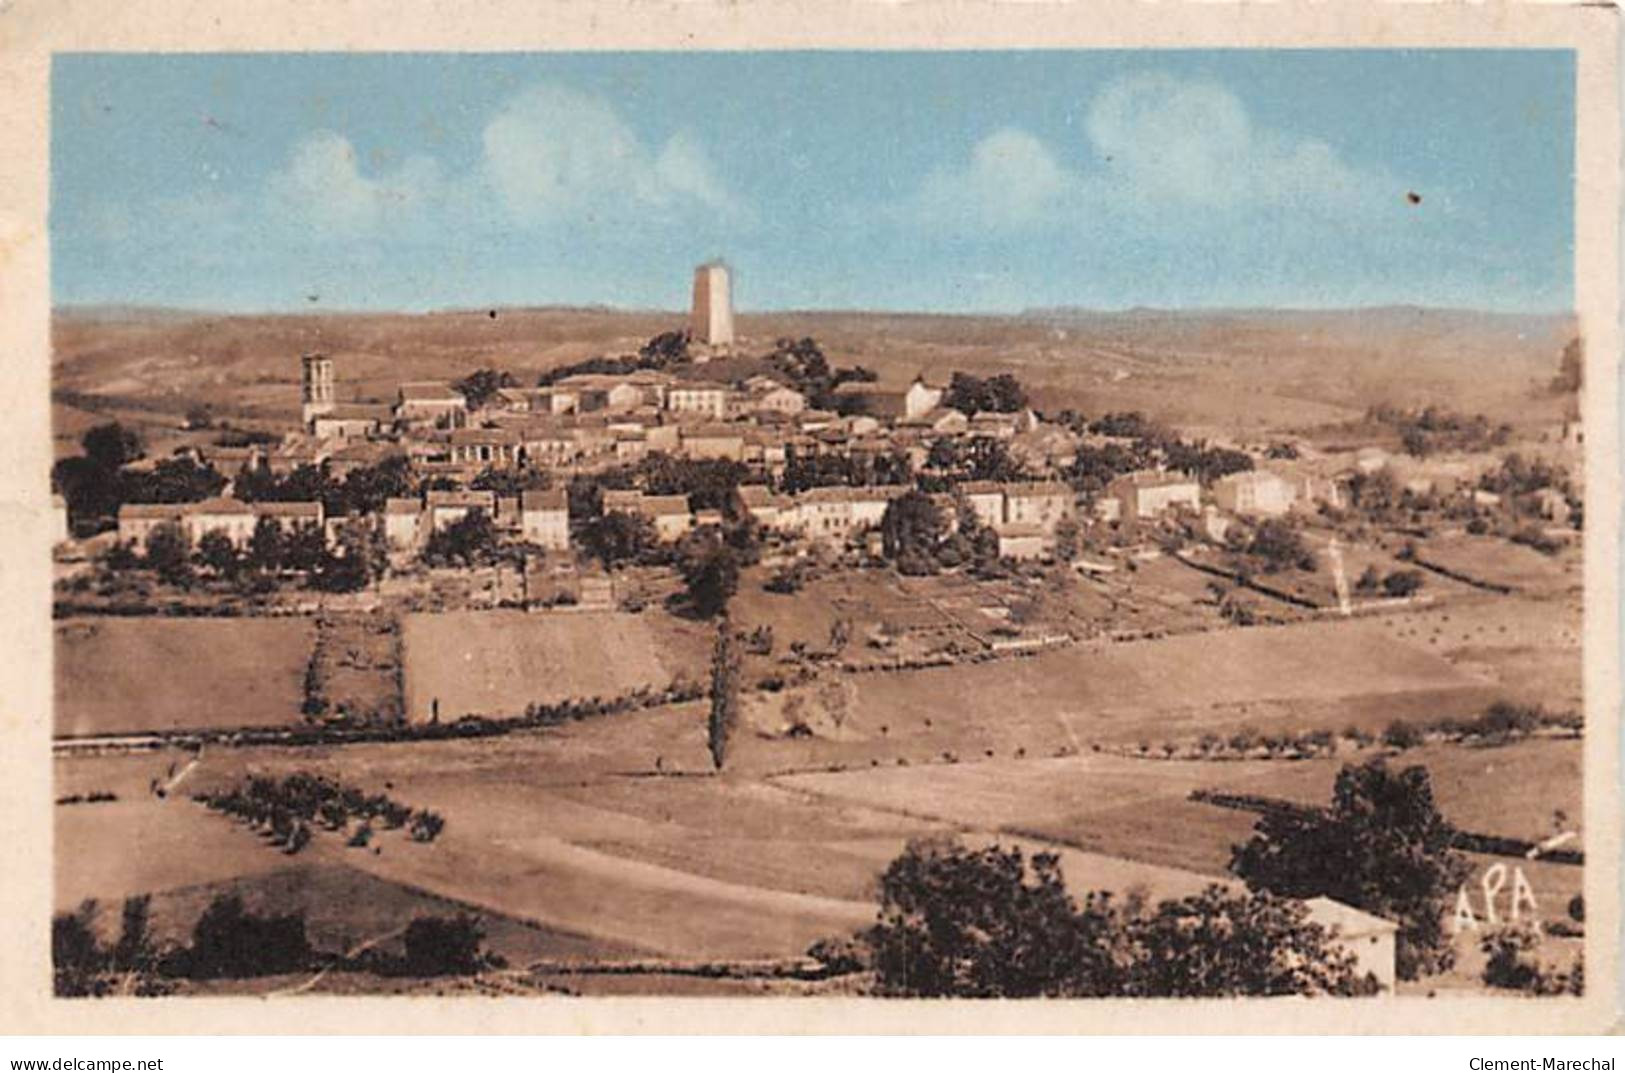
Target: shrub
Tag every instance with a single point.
(229, 941)
(1511, 965)
(443, 946)
(1401, 735)
(1402, 582)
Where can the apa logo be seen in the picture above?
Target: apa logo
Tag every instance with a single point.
(1493, 882)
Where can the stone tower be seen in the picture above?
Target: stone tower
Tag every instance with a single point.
(712, 322)
(315, 386)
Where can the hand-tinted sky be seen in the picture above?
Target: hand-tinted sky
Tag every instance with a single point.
(940, 181)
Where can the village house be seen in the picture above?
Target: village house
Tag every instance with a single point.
(940, 422)
(402, 518)
(890, 403)
(835, 513)
(431, 402)
(1254, 492)
(714, 442)
(986, 499)
(1024, 542)
(496, 448)
(1149, 493)
(548, 443)
(669, 514)
(698, 397)
(1040, 503)
(232, 517)
(136, 521)
(630, 444)
(443, 508)
(546, 518)
(350, 421)
(778, 398)
(349, 457)
(602, 391)
(766, 508)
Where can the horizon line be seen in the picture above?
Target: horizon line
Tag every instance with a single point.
(1030, 313)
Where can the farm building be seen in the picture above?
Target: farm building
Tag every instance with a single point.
(1254, 492)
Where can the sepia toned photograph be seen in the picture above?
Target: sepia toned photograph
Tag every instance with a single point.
(860, 524)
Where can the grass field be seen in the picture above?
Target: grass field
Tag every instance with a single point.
(1501, 562)
(136, 674)
(497, 662)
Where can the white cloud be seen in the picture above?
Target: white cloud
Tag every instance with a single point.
(550, 155)
(323, 184)
(1012, 181)
(1167, 152)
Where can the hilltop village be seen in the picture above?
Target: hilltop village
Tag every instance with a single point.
(700, 434)
(689, 638)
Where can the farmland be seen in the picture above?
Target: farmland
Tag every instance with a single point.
(496, 663)
(116, 675)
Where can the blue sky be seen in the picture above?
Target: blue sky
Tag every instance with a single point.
(934, 181)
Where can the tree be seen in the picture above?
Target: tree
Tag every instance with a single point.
(481, 385)
(266, 545)
(618, 537)
(92, 490)
(911, 527)
(362, 556)
(1382, 847)
(304, 548)
(174, 480)
(710, 571)
(987, 923)
(724, 692)
(1279, 546)
(469, 540)
(1066, 540)
(111, 445)
(216, 551)
(1220, 943)
(77, 958)
(167, 553)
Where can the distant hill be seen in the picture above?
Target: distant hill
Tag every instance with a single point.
(1221, 369)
